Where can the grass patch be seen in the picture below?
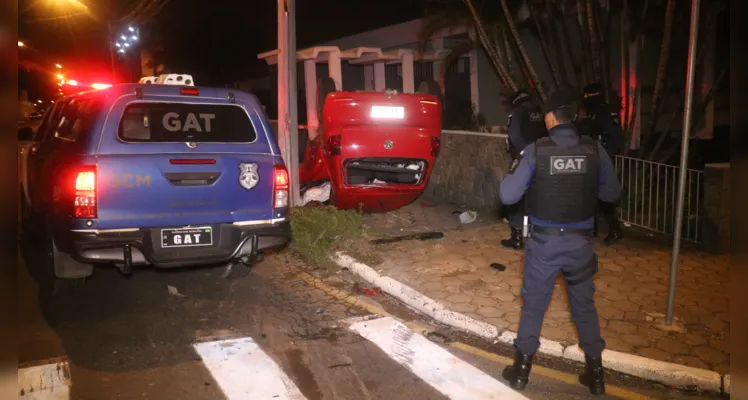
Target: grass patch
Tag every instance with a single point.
(318, 232)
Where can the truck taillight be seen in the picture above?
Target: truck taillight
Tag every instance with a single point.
(85, 193)
(435, 146)
(280, 186)
(333, 145)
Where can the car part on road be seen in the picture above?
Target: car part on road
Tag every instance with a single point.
(415, 236)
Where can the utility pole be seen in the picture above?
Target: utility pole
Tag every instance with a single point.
(685, 140)
(288, 121)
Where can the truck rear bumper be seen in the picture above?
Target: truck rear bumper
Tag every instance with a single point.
(230, 242)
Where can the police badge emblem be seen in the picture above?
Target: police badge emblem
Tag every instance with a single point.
(249, 177)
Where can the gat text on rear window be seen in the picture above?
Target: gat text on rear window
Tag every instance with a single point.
(178, 122)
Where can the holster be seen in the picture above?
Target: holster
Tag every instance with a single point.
(576, 275)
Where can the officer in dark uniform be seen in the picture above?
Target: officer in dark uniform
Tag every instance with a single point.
(526, 125)
(561, 177)
(604, 125)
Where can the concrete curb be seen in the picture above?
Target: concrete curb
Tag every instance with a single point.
(641, 367)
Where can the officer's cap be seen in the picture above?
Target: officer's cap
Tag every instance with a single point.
(593, 89)
(559, 99)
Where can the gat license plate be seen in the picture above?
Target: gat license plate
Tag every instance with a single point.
(187, 237)
(382, 112)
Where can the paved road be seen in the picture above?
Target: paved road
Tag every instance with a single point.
(133, 339)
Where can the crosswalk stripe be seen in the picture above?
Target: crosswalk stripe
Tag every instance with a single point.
(436, 366)
(244, 371)
(49, 381)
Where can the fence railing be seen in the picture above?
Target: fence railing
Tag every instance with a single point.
(650, 193)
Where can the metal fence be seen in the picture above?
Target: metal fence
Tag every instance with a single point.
(650, 193)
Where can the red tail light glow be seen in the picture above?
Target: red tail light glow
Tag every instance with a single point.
(334, 145)
(280, 186)
(436, 145)
(85, 193)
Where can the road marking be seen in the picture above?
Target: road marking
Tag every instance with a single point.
(44, 382)
(548, 372)
(436, 366)
(244, 371)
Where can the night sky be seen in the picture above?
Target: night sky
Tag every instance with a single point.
(217, 41)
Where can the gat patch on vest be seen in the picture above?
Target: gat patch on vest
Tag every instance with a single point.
(536, 117)
(568, 165)
(173, 122)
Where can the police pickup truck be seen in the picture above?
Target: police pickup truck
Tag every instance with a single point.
(159, 173)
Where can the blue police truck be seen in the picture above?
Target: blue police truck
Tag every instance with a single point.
(160, 173)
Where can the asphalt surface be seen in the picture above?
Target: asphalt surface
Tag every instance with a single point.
(131, 338)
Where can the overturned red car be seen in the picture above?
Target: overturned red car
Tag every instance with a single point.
(377, 149)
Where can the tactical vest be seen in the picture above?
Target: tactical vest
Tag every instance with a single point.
(535, 122)
(565, 183)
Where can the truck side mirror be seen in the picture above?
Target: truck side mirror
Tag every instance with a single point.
(25, 134)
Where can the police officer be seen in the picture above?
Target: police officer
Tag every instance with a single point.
(603, 124)
(526, 125)
(561, 177)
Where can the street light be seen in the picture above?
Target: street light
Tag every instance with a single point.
(21, 44)
(58, 66)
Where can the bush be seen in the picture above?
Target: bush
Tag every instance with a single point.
(318, 232)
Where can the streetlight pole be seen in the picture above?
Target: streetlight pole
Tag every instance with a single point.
(288, 121)
(685, 140)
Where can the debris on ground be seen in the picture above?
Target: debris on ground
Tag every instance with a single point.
(498, 267)
(320, 232)
(372, 292)
(425, 204)
(319, 194)
(174, 292)
(468, 217)
(414, 236)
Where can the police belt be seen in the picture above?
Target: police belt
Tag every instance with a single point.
(561, 231)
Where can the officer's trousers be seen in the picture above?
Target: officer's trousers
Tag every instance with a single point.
(608, 212)
(515, 213)
(547, 256)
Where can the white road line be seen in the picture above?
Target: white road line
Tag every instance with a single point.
(436, 366)
(44, 382)
(244, 371)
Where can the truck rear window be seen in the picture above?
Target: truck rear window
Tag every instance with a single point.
(179, 122)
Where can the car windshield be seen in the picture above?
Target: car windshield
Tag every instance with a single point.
(179, 122)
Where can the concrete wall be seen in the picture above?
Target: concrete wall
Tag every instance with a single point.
(716, 221)
(469, 169)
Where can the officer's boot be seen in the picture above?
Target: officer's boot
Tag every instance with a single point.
(515, 241)
(614, 231)
(593, 376)
(518, 374)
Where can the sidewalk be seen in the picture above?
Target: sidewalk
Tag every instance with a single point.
(631, 295)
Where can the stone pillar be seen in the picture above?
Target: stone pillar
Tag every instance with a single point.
(380, 81)
(715, 225)
(310, 87)
(336, 73)
(369, 78)
(409, 84)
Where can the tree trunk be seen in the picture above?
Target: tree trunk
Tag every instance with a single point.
(559, 49)
(523, 51)
(594, 41)
(544, 44)
(560, 17)
(699, 113)
(664, 56)
(604, 35)
(589, 74)
(503, 74)
(626, 84)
